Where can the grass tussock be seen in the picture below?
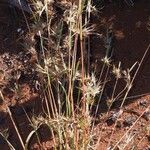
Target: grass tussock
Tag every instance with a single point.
(59, 39)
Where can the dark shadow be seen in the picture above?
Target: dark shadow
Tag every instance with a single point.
(12, 27)
(131, 40)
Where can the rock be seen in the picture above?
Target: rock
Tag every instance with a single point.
(143, 103)
(129, 120)
(113, 117)
(118, 125)
(146, 116)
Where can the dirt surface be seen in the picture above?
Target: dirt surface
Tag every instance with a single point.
(18, 79)
(17, 75)
(133, 135)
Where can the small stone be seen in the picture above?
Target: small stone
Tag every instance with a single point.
(111, 120)
(146, 116)
(118, 125)
(142, 124)
(139, 137)
(129, 121)
(113, 117)
(143, 103)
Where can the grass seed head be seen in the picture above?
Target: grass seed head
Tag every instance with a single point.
(117, 71)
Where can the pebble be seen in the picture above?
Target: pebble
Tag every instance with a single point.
(129, 120)
(113, 117)
(143, 103)
(119, 124)
(146, 115)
